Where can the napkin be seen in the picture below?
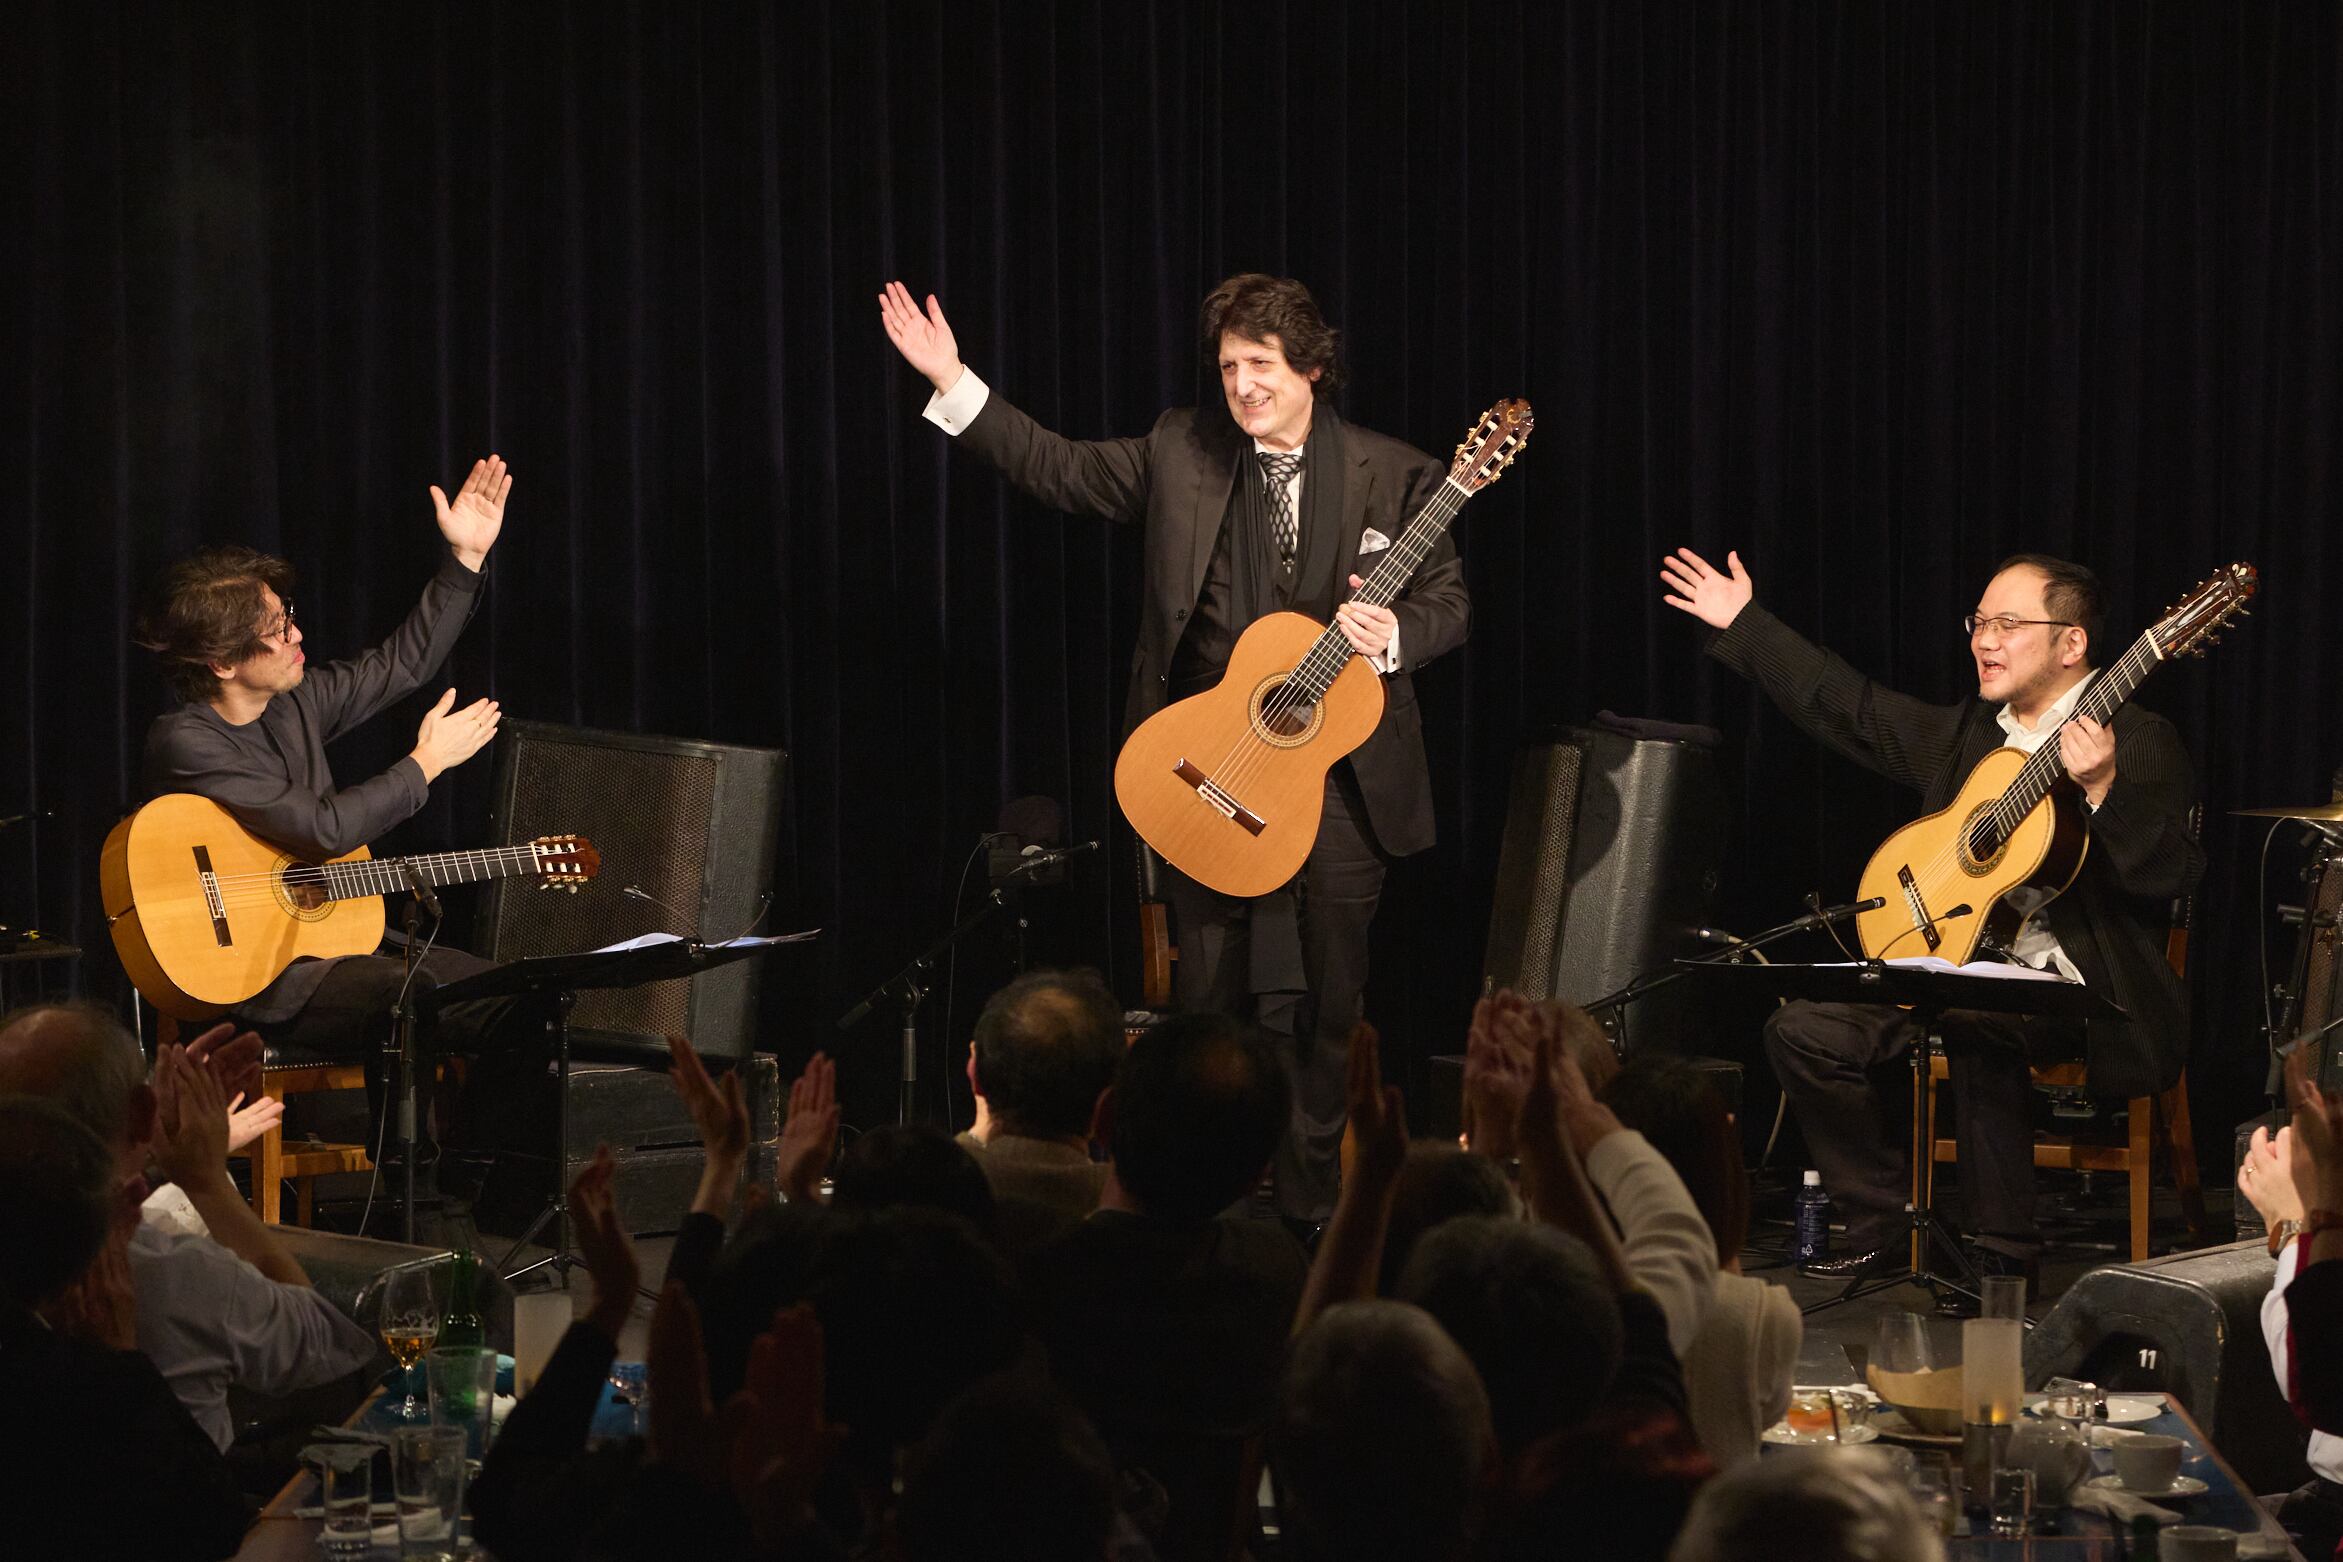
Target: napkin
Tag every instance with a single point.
(2121, 1506)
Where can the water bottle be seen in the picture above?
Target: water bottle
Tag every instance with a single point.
(1812, 1220)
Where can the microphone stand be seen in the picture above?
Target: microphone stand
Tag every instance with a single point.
(908, 988)
(403, 1027)
(1652, 981)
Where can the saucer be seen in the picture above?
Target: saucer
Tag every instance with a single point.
(1889, 1423)
(2122, 1409)
(1780, 1435)
(2184, 1486)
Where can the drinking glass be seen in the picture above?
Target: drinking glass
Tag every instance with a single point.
(2002, 1296)
(540, 1318)
(1936, 1487)
(1901, 1343)
(428, 1467)
(463, 1393)
(629, 1387)
(345, 1480)
(409, 1323)
(2013, 1500)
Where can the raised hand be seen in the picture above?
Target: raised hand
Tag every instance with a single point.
(191, 1131)
(604, 1244)
(247, 1123)
(1496, 1073)
(684, 1432)
(810, 1133)
(1378, 1117)
(1697, 588)
(780, 1442)
(232, 1056)
(925, 340)
(2317, 1160)
(449, 736)
(471, 521)
(718, 1112)
(2265, 1178)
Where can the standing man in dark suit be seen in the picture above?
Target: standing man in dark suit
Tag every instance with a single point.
(2033, 636)
(1269, 502)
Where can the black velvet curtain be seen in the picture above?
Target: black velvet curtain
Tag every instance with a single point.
(1874, 293)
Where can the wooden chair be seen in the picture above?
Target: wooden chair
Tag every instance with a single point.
(2151, 1123)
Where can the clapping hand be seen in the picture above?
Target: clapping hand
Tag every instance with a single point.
(247, 1123)
(604, 1244)
(1695, 587)
(722, 1119)
(233, 1058)
(470, 521)
(2265, 1178)
(191, 1122)
(811, 1131)
(1378, 1117)
(2317, 1160)
(1497, 1060)
(925, 340)
(771, 1442)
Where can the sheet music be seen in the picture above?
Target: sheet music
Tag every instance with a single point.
(650, 940)
(1994, 968)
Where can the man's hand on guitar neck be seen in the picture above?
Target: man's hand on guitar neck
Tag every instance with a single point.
(1696, 587)
(2087, 749)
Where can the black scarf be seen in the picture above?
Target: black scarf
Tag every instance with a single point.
(1258, 580)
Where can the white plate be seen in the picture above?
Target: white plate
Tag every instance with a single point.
(2185, 1486)
(1779, 1433)
(2122, 1409)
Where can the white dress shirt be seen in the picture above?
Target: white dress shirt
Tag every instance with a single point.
(2036, 945)
(1668, 1248)
(955, 409)
(2326, 1450)
(208, 1319)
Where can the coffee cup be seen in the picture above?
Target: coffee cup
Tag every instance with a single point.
(2148, 1463)
(2198, 1543)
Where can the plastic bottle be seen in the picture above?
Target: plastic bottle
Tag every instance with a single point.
(1812, 1220)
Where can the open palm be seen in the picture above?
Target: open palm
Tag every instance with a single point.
(472, 519)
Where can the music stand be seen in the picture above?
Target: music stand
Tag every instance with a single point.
(558, 979)
(1929, 994)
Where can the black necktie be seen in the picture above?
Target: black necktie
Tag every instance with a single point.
(1277, 470)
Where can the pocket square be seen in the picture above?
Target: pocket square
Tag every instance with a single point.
(1373, 542)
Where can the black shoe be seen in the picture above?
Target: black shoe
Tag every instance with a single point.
(1854, 1265)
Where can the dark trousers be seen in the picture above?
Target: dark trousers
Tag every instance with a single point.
(349, 1019)
(1337, 890)
(1847, 1071)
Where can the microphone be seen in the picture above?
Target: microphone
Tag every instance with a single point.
(27, 818)
(422, 889)
(1957, 912)
(1043, 856)
(1820, 916)
(637, 892)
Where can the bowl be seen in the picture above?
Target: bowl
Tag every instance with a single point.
(1930, 1400)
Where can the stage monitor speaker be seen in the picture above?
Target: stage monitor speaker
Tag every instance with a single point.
(691, 824)
(2316, 1012)
(2190, 1325)
(1609, 862)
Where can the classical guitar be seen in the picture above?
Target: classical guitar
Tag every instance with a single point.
(1228, 784)
(205, 914)
(2018, 822)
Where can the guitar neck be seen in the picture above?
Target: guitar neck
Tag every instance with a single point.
(1317, 671)
(2100, 701)
(388, 875)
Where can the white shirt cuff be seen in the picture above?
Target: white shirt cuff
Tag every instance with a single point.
(955, 409)
(1388, 663)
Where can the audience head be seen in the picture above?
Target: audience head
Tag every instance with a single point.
(57, 1198)
(912, 1164)
(1675, 1107)
(1010, 1472)
(1808, 1505)
(1046, 1046)
(1529, 1306)
(1438, 1183)
(1381, 1439)
(81, 1057)
(1197, 1108)
(210, 614)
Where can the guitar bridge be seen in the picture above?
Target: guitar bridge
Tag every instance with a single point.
(1210, 790)
(211, 895)
(1917, 907)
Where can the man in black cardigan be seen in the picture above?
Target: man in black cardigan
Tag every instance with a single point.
(2033, 636)
(1269, 501)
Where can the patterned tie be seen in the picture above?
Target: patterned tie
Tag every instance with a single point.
(1277, 470)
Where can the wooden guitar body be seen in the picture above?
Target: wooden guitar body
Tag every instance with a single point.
(1929, 868)
(196, 954)
(1226, 784)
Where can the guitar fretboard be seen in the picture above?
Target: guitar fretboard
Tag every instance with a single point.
(388, 875)
(1316, 672)
(2042, 769)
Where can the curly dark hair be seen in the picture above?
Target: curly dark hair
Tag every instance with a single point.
(1259, 307)
(208, 613)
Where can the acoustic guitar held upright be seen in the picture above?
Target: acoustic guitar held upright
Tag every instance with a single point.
(1229, 784)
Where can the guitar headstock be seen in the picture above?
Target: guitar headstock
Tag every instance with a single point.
(1489, 449)
(565, 861)
(2187, 626)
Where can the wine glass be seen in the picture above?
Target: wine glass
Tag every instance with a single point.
(1901, 1343)
(410, 1323)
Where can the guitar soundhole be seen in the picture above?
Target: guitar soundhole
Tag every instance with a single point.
(1981, 845)
(1281, 719)
(301, 889)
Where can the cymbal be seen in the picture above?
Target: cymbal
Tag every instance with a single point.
(2329, 811)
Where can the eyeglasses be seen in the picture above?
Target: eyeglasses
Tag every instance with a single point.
(2004, 622)
(284, 629)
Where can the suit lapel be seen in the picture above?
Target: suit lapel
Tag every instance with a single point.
(1215, 480)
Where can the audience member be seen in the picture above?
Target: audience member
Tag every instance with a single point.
(1809, 1505)
(1382, 1445)
(98, 1459)
(230, 1309)
(1046, 1047)
(1437, 1183)
(913, 1165)
(2313, 1512)
(1165, 1324)
(1740, 1363)
(1010, 1472)
(2314, 1302)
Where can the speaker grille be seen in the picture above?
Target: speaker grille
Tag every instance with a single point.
(1533, 870)
(648, 813)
